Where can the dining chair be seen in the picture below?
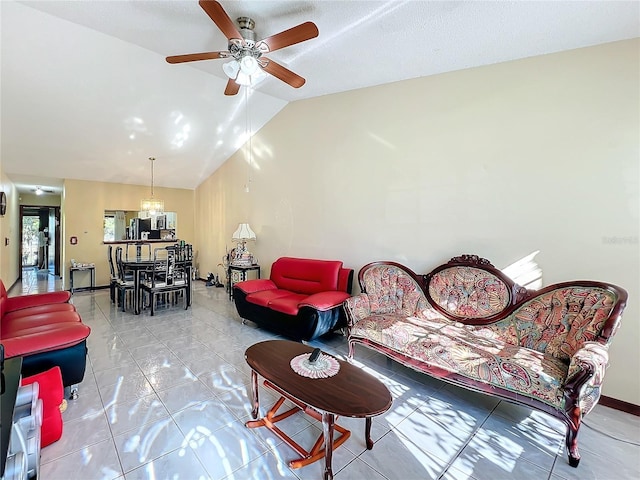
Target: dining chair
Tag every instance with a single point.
(135, 250)
(168, 280)
(185, 257)
(125, 284)
(113, 279)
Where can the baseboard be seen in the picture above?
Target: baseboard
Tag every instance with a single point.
(620, 405)
(17, 280)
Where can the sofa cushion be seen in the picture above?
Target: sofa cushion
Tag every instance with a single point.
(288, 304)
(265, 297)
(255, 285)
(39, 310)
(324, 300)
(304, 275)
(559, 320)
(469, 292)
(44, 338)
(392, 290)
(13, 326)
(453, 347)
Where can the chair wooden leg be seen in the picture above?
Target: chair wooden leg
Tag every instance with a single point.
(124, 300)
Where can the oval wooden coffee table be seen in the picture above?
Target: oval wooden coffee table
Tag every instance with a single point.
(351, 392)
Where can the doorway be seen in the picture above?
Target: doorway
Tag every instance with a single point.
(40, 238)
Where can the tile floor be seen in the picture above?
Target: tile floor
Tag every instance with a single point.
(166, 397)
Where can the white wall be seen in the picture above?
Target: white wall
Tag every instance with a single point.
(499, 161)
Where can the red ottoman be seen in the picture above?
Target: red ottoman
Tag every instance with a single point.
(53, 403)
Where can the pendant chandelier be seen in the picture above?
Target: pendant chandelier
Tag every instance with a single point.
(152, 205)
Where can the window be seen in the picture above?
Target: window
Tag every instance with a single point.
(109, 226)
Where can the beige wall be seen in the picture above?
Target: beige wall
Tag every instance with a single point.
(500, 161)
(40, 200)
(83, 206)
(9, 233)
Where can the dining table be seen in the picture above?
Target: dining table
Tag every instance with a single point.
(140, 264)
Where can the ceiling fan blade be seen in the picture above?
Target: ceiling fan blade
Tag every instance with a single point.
(304, 31)
(232, 87)
(282, 73)
(220, 18)
(192, 57)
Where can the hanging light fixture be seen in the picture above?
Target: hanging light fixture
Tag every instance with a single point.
(152, 205)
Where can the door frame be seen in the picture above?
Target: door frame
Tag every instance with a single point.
(57, 237)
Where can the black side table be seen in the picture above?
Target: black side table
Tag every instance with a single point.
(238, 273)
(90, 268)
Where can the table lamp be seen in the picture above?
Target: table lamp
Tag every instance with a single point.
(242, 235)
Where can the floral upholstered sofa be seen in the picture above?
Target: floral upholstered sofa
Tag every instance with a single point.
(470, 325)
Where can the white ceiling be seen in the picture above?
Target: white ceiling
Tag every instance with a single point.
(87, 93)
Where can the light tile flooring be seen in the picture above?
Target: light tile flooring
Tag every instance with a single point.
(166, 397)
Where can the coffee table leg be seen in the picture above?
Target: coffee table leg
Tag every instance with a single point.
(328, 421)
(367, 433)
(254, 394)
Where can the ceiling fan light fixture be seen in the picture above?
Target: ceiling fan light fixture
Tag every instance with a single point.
(243, 79)
(258, 77)
(248, 65)
(39, 191)
(231, 69)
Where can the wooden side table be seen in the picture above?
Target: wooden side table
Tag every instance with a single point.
(238, 273)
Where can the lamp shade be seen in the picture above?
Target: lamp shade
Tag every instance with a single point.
(248, 65)
(246, 72)
(243, 233)
(231, 69)
(243, 79)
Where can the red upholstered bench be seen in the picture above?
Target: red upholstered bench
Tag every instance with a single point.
(46, 331)
(302, 299)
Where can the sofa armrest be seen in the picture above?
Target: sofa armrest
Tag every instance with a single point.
(25, 301)
(345, 280)
(586, 373)
(256, 285)
(593, 358)
(357, 308)
(324, 301)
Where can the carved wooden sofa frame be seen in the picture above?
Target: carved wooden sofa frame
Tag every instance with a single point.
(545, 349)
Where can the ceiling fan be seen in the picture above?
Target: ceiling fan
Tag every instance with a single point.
(248, 63)
(40, 190)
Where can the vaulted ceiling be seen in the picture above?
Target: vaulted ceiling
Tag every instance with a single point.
(87, 93)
